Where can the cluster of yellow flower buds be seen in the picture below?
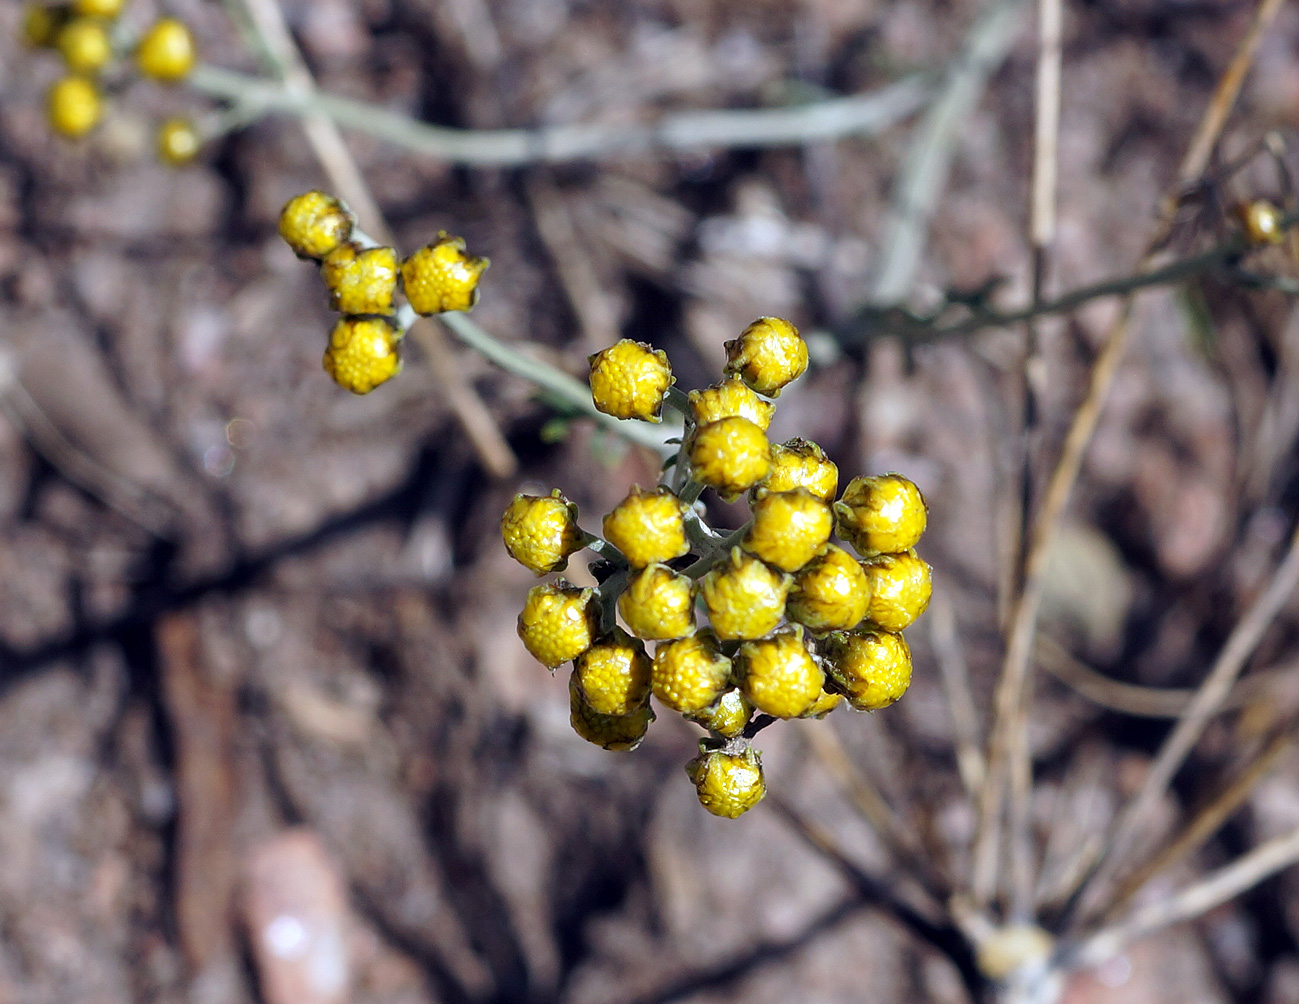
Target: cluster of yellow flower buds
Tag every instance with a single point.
(796, 624)
(363, 279)
(86, 33)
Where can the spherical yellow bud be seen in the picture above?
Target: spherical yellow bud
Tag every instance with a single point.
(745, 598)
(830, 592)
(614, 674)
(610, 732)
(540, 532)
(178, 142)
(99, 8)
(648, 527)
(789, 528)
(768, 355)
(729, 455)
(360, 281)
(883, 514)
(73, 106)
(363, 353)
(658, 604)
(900, 587)
(800, 464)
(779, 675)
(442, 276)
(690, 674)
(1261, 221)
(313, 224)
(730, 399)
(84, 44)
(871, 668)
(558, 622)
(728, 784)
(42, 23)
(166, 51)
(629, 380)
(728, 716)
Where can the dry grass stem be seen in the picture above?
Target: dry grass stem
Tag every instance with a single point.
(955, 672)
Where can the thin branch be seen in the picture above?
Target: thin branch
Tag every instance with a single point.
(1208, 699)
(834, 118)
(346, 178)
(1134, 699)
(1210, 818)
(1220, 886)
(923, 174)
(956, 685)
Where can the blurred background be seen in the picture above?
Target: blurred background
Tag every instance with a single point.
(259, 681)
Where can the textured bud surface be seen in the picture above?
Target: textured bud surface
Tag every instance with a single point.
(800, 464)
(900, 585)
(610, 732)
(690, 674)
(768, 355)
(789, 528)
(728, 716)
(830, 592)
(745, 598)
(648, 527)
(360, 281)
(730, 455)
(728, 784)
(313, 224)
(629, 380)
(732, 398)
(614, 674)
(362, 353)
(658, 604)
(557, 622)
(779, 675)
(442, 276)
(883, 514)
(871, 668)
(540, 532)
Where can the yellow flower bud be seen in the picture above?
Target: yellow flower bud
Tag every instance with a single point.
(166, 51)
(730, 455)
(442, 276)
(728, 716)
(360, 281)
(690, 674)
(1261, 221)
(614, 674)
(558, 622)
(728, 784)
(540, 532)
(313, 224)
(610, 732)
(658, 604)
(363, 353)
(900, 587)
(789, 528)
(779, 675)
(73, 106)
(745, 598)
(871, 668)
(178, 142)
(630, 379)
(824, 704)
(883, 514)
(648, 527)
(768, 355)
(830, 592)
(99, 8)
(84, 44)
